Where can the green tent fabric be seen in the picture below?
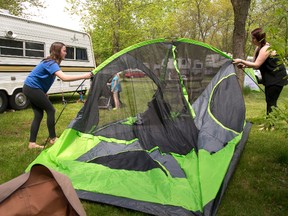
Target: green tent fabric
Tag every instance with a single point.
(173, 146)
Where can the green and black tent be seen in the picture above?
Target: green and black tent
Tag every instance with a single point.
(174, 144)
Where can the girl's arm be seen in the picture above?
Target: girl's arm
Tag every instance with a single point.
(66, 77)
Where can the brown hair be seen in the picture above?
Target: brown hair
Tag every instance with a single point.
(259, 35)
(55, 52)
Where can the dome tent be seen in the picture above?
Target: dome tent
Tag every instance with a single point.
(173, 147)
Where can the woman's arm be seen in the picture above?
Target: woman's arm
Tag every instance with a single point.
(263, 55)
(66, 77)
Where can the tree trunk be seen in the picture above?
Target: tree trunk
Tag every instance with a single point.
(117, 24)
(240, 8)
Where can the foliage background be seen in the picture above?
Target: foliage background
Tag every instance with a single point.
(116, 24)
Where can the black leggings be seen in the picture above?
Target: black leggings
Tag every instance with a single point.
(40, 102)
(272, 94)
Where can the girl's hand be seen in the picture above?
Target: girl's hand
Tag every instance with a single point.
(88, 75)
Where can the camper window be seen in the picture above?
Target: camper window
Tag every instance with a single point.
(17, 48)
(70, 53)
(81, 53)
(34, 53)
(34, 49)
(10, 43)
(11, 47)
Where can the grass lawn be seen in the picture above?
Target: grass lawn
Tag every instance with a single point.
(259, 185)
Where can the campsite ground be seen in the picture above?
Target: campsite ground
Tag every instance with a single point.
(259, 185)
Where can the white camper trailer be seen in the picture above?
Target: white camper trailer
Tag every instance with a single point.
(24, 43)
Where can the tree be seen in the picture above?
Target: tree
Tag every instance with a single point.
(16, 7)
(107, 22)
(240, 8)
(276, 28)
(274, 23)
(205, 20)
(116, 24)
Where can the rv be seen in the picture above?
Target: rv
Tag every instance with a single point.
(24, 43)
(213, 62)
(186, 66)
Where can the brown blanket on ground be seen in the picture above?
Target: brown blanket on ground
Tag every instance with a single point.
(41, 191)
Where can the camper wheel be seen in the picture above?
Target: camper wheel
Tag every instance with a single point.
(3, 101)
(18, 100)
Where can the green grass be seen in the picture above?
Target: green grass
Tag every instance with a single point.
(259, 185)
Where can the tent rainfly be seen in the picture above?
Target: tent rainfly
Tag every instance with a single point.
(172, 147)
(41, 191)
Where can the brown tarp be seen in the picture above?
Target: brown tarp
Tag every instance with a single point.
(41, 191)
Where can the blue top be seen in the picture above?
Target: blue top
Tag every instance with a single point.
(115, 80)
(43, 75)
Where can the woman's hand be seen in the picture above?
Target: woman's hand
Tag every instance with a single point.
(237, 61)
(241, 65)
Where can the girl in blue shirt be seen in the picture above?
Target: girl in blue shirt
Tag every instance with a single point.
(37, 85)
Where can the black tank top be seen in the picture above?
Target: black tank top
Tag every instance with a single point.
(273, 72)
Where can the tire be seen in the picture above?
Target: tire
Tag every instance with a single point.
(3, 101)
(18, 100)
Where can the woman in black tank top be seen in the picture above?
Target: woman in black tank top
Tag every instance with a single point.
(273, 72)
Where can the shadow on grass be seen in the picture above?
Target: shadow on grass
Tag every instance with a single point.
(283, 158)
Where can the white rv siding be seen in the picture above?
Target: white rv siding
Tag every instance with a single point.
(34, 31)
(14, 69)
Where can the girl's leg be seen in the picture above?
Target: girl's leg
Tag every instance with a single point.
(39, 103)
(50, 110)
(38, 116)
(116, 100)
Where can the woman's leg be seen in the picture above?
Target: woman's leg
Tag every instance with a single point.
(39, 103)
(272, 94)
